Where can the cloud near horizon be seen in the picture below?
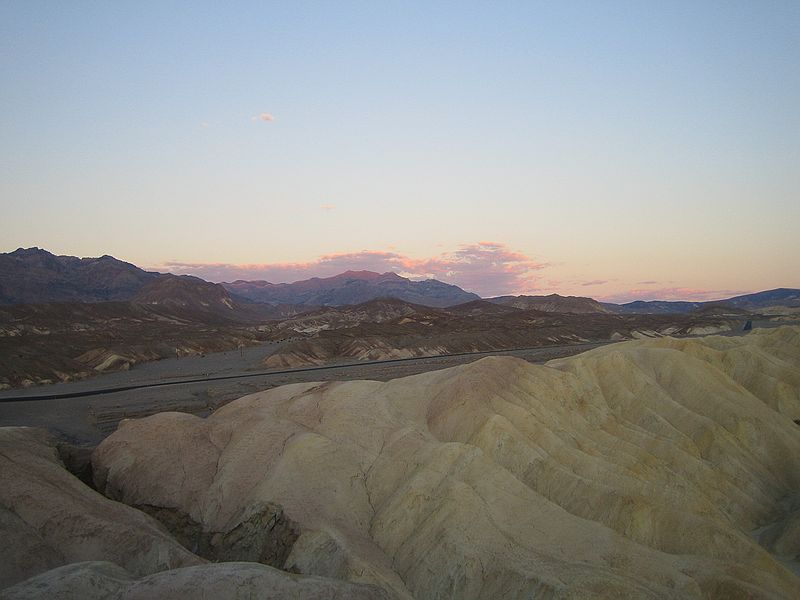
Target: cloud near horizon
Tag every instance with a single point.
(266, 117)
(486, 268)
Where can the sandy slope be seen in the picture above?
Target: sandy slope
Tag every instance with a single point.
(634, 470)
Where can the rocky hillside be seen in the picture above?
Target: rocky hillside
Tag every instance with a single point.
(340, 317)
(33, 275)
(185, 292)
(647, 469)
(381, 330)
(552, 303)
(352, 287)
(49, 343)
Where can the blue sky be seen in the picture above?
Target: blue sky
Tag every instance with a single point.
(506, 147)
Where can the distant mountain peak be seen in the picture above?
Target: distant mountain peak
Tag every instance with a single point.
(28, 251)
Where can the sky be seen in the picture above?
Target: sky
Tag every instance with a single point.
(619, 150)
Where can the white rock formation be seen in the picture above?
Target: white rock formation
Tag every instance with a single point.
(49, 518)
(634, 470)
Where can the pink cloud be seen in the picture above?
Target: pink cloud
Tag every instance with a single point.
(266, 117)
(594, 282)
(327, 206)
(486, 268)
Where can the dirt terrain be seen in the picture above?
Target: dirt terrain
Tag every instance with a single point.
(393, 329)
(41, 344)
(48, 343)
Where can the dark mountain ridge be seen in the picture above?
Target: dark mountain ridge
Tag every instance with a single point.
(353, 287)
(789, 297)
(33, 275)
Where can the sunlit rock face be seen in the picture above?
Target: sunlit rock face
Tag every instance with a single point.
(634, 470)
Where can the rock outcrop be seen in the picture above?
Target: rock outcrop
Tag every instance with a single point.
(634, 470)
(261, 533)
(48, 517)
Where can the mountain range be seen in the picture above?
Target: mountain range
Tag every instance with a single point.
(353, 287)
(34, 275)
(777, 297)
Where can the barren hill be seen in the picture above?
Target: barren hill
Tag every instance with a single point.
(185, 292)
(372, 311)
(371, 332)
(552, 303)
(638, 470)
(33, 275)
(52, 342)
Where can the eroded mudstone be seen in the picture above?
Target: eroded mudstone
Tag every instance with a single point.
(49, 518)
(632, 471)
(261, 533)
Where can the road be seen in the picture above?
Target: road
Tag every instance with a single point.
(86, 411)
(30, 396)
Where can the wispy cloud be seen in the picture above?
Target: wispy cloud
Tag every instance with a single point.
(487, 268)
(327, 206)
(594, 282)
(267, 117)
